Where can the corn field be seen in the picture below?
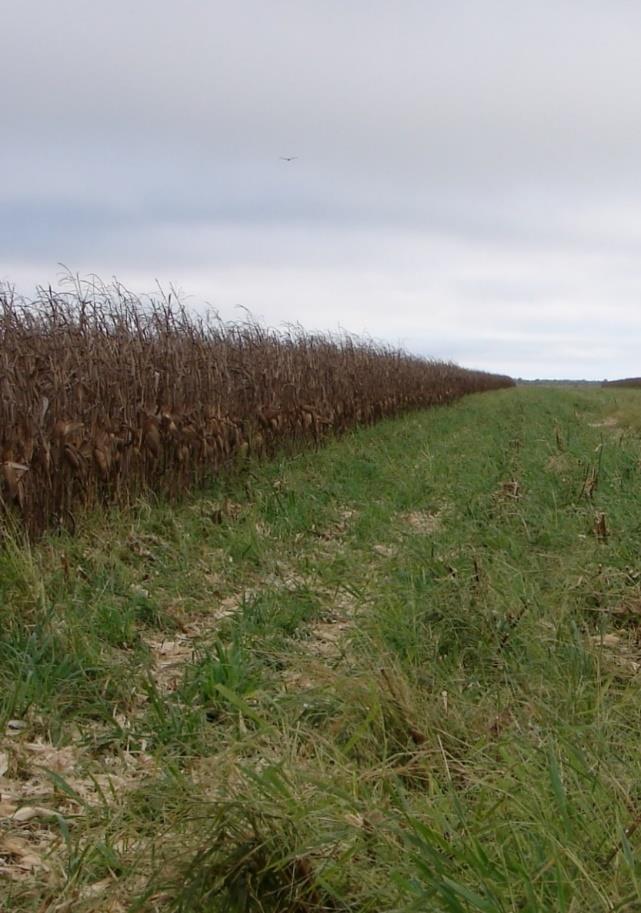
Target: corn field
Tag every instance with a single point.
(104, 395)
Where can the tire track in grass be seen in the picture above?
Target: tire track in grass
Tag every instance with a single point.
(45, 790)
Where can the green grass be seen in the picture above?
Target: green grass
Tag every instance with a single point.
(411, 685)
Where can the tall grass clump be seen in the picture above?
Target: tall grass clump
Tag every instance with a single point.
(104, 395)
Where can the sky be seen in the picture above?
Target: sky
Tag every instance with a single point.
(467, 182)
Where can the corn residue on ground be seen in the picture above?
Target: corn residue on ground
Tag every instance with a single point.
(401, 673)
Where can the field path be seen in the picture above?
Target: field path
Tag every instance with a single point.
(399, 673)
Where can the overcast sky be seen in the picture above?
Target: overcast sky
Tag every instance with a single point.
(468, 180)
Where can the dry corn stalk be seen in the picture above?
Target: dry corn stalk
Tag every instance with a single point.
(600, 527)
(104, 395)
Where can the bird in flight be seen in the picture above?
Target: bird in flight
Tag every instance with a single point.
(288, 158)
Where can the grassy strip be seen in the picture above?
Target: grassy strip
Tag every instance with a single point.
(421, 692)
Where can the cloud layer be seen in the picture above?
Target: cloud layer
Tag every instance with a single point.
(468, 180)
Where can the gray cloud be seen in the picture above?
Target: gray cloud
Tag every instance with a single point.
(469, 178)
